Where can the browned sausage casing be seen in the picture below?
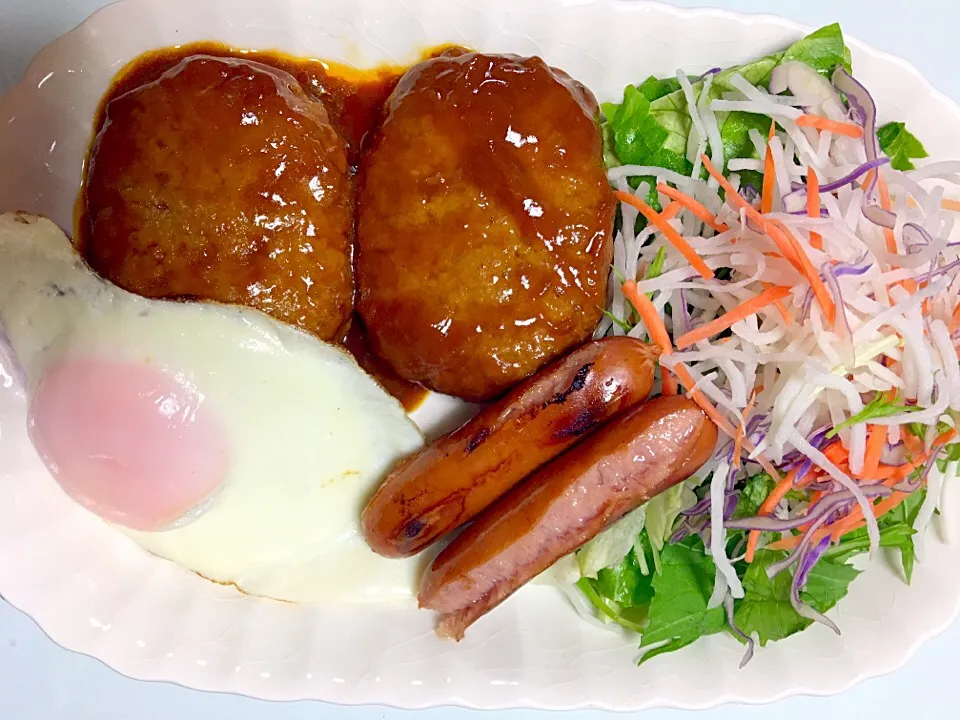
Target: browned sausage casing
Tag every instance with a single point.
(454, 478)
(563, 505)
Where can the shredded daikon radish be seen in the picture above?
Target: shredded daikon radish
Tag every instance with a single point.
(718, 534)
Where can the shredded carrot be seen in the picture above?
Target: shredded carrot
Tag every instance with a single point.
(741, 311)
(888, 504)
(813, 205)
(742, 429)
(655, 219)
(648, 313)
(888, 235)
(655, 327)
(876, 439)
(955, 319)
(683, 374)
(769, 173)
(806, 268)
(912, 442)
(945, 437)
(823, 124)
(945, 204)
(694, 206)
(668, 383)
(836, 452)
(739, 203)
(784, 240)
(854, 519)
(767, 506)
(671, 211)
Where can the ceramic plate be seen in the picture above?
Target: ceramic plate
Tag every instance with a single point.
(95, 592)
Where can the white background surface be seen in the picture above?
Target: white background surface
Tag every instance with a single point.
(39, 681)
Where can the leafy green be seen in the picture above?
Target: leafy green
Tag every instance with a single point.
(678, 612)
(586, 586)
(827, 584)
(919, 430)
(822, 50)
(906, 514)
(651, 128)
(857, 542)
(896, 531)
(754, 492)
(611, 547)
(654, 88)
(900, 145)
(881, 406)
(656, 267)
(639, 137)
(625, 583)
(766, 609)
(672, 646)
(663, 510)
(950, 453)
(662, 589)
(623, 324)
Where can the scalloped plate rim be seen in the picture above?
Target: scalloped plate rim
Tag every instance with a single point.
(35, 68)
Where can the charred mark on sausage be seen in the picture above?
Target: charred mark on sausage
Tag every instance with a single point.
(579, 380)
(477, 440)
(413, 528)
(581, 423)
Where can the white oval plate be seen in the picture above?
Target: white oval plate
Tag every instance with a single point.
(95, 592)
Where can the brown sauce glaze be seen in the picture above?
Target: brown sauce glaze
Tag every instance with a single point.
(169, 203)
(484, 231)
(357, 343)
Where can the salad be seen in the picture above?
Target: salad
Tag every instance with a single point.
(795, 268)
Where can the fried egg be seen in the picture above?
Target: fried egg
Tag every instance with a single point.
(213, 436)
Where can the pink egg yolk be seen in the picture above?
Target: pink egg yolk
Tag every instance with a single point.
(127, 441)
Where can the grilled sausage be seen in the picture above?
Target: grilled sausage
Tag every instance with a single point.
(563, 505)
(459, 475)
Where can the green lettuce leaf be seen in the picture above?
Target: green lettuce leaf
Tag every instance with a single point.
(648, 128)
(663, 510)
(626, 584)
(654, 88)
(900, 145)
(610, 548)
(822, 50)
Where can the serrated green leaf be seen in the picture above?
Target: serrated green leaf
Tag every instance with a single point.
(881, 406)
(765, 608)
(754, 492)
(678, 610)
(900, 145)
(672, 646)
(827, 584)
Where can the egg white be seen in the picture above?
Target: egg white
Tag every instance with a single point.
(311, 435)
